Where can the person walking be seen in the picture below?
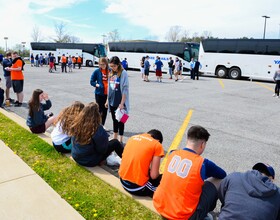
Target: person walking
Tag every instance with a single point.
(250, 195)
(51, 63)
(118, 95)
(74, 61)
(70, 64)
(170, 67)
(7, 62)
(32, 59)
(99, 80)
(177, 68)
(276, 79)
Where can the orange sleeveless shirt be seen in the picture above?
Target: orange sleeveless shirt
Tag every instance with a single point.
(17, 75)
(179, 191)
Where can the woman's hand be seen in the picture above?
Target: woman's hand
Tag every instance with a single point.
(121, 106)
(97, 85)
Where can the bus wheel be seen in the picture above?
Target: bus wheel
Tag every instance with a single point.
(234, 73)
(90, 63)
(221, 72)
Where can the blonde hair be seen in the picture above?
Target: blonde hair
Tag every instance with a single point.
(86, 123)
(67, 116)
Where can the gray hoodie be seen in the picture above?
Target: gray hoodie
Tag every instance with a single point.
(249, 196)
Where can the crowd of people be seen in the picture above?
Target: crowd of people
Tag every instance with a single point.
(175, 68)
(67, 62)
(190, 184)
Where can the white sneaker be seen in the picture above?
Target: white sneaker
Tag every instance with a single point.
(274, 95)
(278, 97)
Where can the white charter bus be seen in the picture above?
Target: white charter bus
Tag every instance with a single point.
(135, 50)
(90, 53)
(236, 58)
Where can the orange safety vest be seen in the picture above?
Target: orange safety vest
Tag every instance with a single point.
(17, 75)
(79, 60)
(63, 59)
(180, 188)
(73, 60)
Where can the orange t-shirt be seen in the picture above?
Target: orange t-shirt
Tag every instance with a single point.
(180, 188)
(17, 75)
(137, 157)
(105, 81)
(63, 59)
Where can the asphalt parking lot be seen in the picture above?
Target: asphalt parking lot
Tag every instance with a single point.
(241, 116)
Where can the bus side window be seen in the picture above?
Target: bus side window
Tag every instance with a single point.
(187, 55)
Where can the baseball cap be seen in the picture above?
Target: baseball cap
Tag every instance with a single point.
(264, 168)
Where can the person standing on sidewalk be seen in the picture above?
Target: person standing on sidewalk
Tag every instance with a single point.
(99, 80)
(276, 79)
(7, 62)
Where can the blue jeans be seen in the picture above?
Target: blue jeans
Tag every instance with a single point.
(170, 71)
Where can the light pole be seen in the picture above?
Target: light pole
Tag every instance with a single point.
(6, 39)
(265, 17)
(23, 45)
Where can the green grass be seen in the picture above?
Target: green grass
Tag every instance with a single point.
(90, 196)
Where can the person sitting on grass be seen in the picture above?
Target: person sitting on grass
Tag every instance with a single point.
(139, 169)
(90, 143)
(60, 138)
(37, 120)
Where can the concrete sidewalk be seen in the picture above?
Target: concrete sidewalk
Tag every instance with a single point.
(25, 195)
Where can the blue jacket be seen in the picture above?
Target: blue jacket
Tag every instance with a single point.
(96, 77)
(93, 153)
(39, 117)
(249, 195)
(7, 63)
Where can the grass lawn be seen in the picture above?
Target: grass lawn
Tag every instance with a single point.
(90, 196)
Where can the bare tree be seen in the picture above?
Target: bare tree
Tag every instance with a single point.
(62, 35)
(74, 39)
(36, 34)
(206, 34)
(174, 33)
(114, 36)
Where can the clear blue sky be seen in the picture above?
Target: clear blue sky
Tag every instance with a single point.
(134, 19)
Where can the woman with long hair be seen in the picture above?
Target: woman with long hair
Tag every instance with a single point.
(99, 80)
(118, 96)
(37, 120)
(62, 124)
(90, 144)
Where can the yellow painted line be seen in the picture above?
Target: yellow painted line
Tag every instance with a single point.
(265, 86)
(221, 83)
(178, 138)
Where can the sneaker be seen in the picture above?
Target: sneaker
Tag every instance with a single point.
(274, 95)
(18, 104)
(278, 97)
